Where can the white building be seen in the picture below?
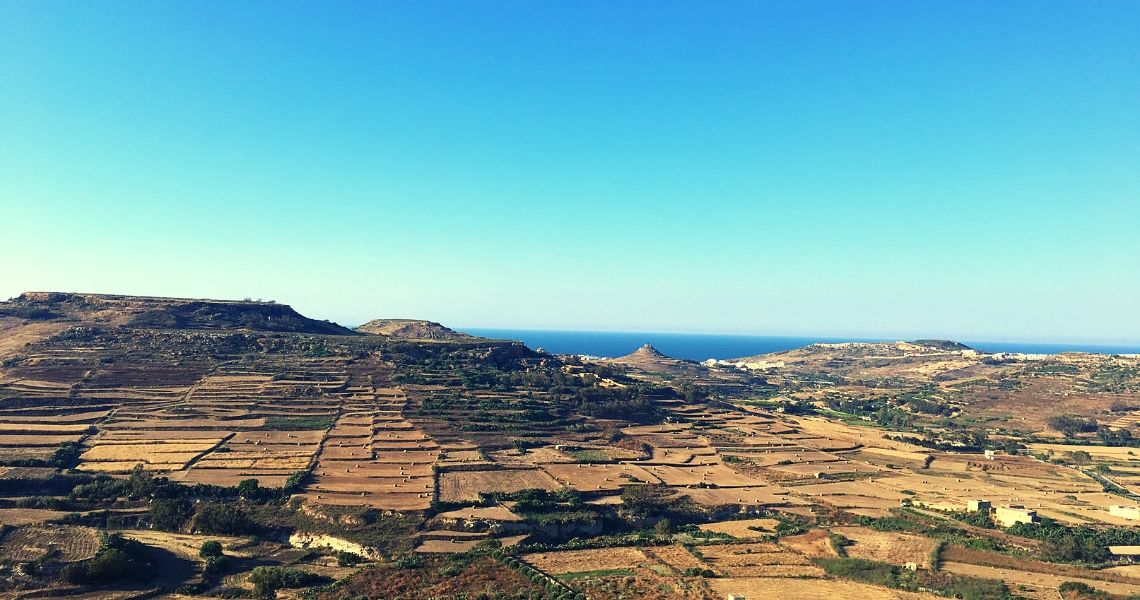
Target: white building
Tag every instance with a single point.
(1014, 514)
(1131, 513)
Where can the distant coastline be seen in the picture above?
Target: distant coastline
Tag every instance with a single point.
(721, 346)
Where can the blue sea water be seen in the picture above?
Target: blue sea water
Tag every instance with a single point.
(705, 346)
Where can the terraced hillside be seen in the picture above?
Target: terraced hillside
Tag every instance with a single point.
(140, 428)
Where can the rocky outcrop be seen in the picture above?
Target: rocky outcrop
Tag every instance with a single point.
(320, 540)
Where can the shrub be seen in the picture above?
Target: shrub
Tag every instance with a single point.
(210, 548)
(216, 565)
(348, 559)
(267, 580)
(249, 489)
(839, 543)
(1083, 591)
(408, 561)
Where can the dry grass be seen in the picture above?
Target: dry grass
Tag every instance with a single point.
(763, 559)
(806, 589)
(578, 561)
(747, 528)
(15, 334)
(32, 542)
(676, 557)
(888, 547)
(28, 516)
(815, 543)
(445, 546)
(587, 477)
(186, 545)
(21, 428)
(464, 486)
(147, 452)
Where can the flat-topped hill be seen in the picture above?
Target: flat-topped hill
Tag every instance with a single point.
(412, 329)
(166, 313)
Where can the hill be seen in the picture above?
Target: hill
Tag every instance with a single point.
(411, 329)
(942, 344)
(148, 312)
(651, 360)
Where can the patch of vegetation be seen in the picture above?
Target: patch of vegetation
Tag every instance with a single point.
(887, 575)
(655, 501)
(170, 514)
(348, 559)
(1071, 425)
(31, 313)
(267, 580)
(1076, 544)
(300, 423)
(978, 518)
(1076, 590)
(118, 558)
(591, 456)
(223, 519)
(1053, 369)
(839, 543)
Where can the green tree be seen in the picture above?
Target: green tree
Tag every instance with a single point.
(210, 548)
(169, 514)
(248, 489)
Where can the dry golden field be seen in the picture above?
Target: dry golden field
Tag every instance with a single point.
(460, 486)
(807, 589)
(578, 561)
(33, 542)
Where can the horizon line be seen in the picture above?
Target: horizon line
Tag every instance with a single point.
(829, 337)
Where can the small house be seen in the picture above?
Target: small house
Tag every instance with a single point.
(1013, 514)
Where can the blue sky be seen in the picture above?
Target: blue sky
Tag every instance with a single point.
(880, 169)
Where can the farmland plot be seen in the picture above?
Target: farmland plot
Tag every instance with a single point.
(464, 486)
(580, 561)
(763, 559)
(33, 542)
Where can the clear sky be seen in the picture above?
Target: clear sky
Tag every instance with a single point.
(967, 170)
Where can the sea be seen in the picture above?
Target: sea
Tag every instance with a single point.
(704, 346)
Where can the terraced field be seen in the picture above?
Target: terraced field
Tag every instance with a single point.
(153, 416)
